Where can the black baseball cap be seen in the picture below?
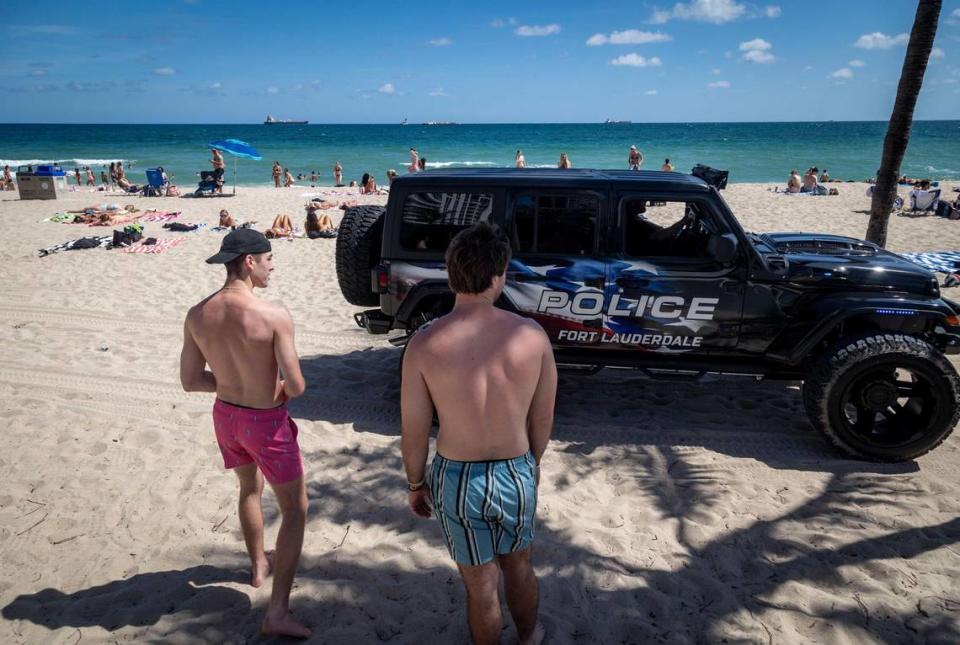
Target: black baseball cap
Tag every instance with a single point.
(244, 241)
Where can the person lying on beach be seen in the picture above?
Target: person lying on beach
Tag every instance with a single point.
(226, 219)
(282, 227)
(287, 178)
(318, 224)
(254, 370)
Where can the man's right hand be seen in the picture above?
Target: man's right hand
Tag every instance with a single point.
(419, 501)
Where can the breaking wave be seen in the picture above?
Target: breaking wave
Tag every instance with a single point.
(66, 162)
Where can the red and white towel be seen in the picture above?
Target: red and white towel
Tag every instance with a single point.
(163, 244)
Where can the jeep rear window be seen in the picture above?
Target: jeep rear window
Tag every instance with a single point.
(430, 220)
(555, 224)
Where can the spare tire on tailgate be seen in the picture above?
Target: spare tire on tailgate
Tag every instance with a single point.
(358, 251)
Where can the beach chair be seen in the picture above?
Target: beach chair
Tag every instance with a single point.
(208, 183)
(156, 186)
(924, 201)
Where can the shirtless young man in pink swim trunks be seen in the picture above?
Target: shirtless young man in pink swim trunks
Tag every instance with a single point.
(254, 370)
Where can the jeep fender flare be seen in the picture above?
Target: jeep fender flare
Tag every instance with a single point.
(828, 314)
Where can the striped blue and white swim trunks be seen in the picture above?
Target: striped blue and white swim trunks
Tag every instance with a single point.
(485, 508)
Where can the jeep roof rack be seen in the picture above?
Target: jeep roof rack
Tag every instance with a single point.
(569, 178)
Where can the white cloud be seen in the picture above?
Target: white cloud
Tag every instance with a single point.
(636, 60)
(273, 90)
(807, 68)
(38, 72)
(715, 71)
(216, 85)
(387, 88)
(164, 71)
(878, 40)
(844, 73)
(760, 57)
(438, 92)
(651, 93)
(936, 53)
(715, 11)
(629, 37)
(771, 11)
(757, 51)
(856, 62)
(440, 42)
(537, 30)
(497, 23)
(717, 84)
(755, 44)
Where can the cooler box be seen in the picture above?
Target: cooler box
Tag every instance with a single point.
(34, 186)
(58, 174)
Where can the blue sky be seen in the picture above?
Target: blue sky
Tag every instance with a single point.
(206, 61)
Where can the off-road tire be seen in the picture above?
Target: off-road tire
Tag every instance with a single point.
(839, 365)
(358, 252)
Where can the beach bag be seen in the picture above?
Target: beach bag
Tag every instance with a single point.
(86, 243)
(714, 177)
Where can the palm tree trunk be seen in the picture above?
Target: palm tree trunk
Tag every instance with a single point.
(898, 132)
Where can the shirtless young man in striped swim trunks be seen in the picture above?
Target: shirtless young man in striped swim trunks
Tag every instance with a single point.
(254, 370)
(491, 376)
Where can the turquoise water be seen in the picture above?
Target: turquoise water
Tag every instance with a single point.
(752, 152)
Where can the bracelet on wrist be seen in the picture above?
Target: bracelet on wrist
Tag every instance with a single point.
(413, 487)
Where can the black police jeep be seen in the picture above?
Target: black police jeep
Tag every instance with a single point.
(652, 271)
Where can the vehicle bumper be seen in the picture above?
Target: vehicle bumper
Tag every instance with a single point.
(374, 321)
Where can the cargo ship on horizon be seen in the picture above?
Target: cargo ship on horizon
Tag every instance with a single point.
(271, 121)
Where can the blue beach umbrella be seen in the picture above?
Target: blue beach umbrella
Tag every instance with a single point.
(237, 148)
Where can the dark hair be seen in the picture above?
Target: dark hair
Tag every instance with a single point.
(234, 265)
(365, 179)
(667, 160)
(476, 256)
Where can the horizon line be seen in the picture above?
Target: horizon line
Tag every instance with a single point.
(232, 123)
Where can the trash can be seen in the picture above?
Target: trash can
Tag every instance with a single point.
(41, 182)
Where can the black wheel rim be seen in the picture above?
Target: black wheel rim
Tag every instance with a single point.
(889, 405)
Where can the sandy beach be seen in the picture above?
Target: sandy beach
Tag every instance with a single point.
(669, 512)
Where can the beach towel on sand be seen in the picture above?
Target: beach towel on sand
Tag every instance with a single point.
(76, 245)
(62, 218)
(942, 261)
(162, 244)
(161, 217)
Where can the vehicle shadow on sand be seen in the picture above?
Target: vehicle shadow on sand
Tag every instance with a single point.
(738, 417)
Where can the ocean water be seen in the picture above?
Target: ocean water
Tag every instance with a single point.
(752, 152)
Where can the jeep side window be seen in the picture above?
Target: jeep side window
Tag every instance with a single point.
(665, 228)
(430, 220)
(555, 224)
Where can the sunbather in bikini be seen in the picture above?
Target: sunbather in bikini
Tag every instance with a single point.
(282, 227)
(317, 223)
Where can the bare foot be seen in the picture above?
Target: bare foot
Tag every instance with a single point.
(284, 625)
(262, 569)
(537, 636)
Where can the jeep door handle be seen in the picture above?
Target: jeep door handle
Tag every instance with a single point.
(731, 286)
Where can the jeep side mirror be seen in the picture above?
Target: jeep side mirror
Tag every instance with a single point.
(723, 248)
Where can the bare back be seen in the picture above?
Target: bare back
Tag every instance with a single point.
(237, 334)
(482, 369)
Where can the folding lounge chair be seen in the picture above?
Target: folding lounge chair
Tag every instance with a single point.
(156, 182)
(924, 200)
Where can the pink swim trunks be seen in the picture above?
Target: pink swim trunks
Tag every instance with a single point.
(265, 437)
